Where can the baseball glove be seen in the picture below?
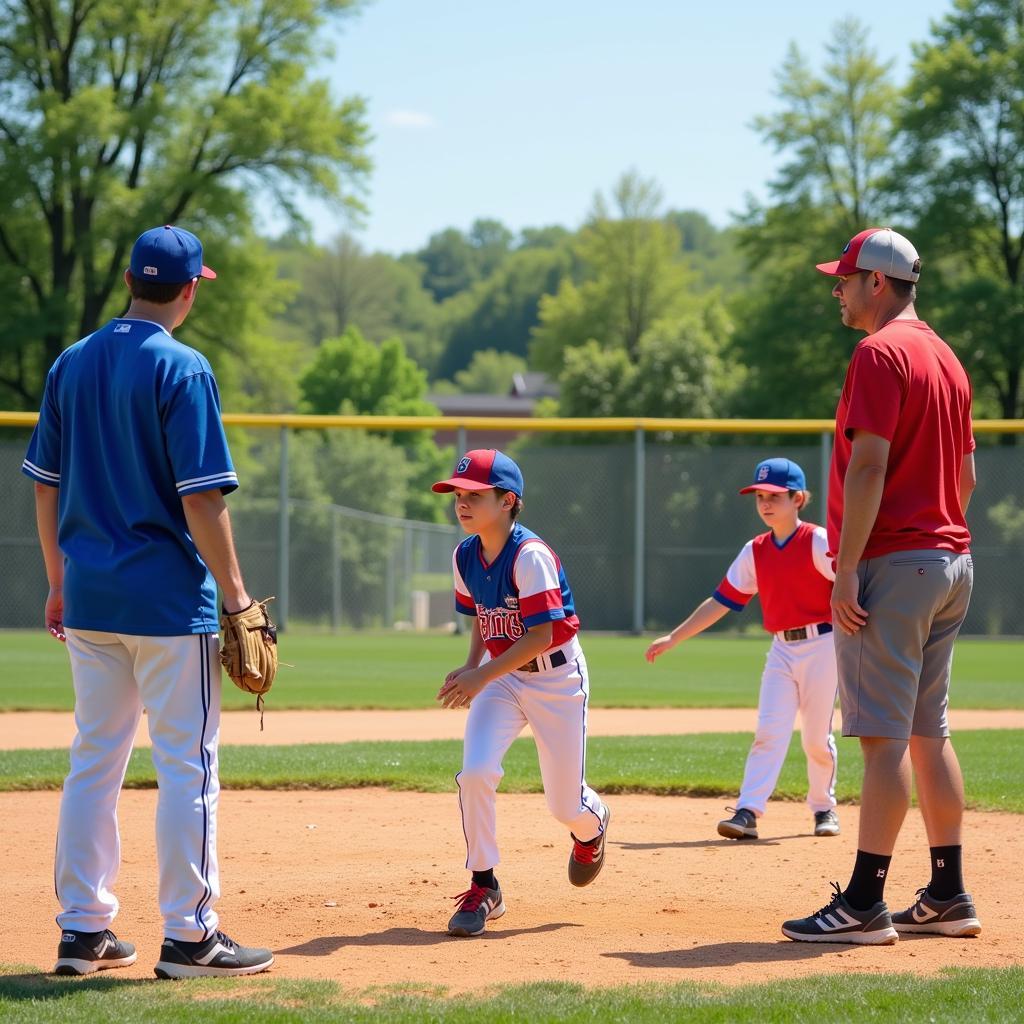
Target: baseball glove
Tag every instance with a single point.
(248, 649)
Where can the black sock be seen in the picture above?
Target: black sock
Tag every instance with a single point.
(947, 872)
(867, 883)
(485, 879)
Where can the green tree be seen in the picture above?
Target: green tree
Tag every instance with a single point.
(351, 375)
(500, 311)
(115, 118)
(963, 174)
(340, 285)
(834, 130)
(631, 275)
(679, 371)
(452, 261)
(490, 372)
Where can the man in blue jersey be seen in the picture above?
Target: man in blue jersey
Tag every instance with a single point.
(131, 466)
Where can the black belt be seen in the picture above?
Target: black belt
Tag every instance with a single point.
(557, 660)
(801, 633)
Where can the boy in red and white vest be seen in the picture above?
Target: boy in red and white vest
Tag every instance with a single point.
(790, 569)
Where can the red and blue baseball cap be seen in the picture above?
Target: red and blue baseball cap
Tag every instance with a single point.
(877, 249)
(168, 255)
(777, 475)
(482, 469)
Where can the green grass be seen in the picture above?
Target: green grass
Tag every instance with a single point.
(403, 670)
(961, 995)
(701, 765)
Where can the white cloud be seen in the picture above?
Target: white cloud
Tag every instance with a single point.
(409, 119)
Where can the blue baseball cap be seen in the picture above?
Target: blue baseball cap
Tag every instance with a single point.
(168, 255)
(777, 475)
(482, 469)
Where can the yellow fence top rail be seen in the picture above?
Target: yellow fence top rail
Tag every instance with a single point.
(517, 424)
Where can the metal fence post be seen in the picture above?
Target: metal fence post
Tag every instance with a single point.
(639, 512)
(282, 536)
(389, 582)
(335, 568)
(460, 442)
(826, 467)
(407, 567)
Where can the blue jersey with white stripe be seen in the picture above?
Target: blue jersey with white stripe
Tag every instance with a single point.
(129, 423)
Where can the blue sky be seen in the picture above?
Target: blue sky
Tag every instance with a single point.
(522, 111)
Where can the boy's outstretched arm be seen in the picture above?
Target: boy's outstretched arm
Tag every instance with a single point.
(707, 613)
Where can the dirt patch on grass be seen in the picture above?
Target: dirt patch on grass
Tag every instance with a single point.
(40, 729)
(355, 886)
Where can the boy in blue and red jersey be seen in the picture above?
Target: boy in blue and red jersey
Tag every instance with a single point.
(789, 568)
(525, 666)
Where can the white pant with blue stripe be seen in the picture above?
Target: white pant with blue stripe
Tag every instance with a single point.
(177, 680)
(798, 676)
(554, 704)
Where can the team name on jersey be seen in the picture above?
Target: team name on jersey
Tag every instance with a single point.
(500, 623)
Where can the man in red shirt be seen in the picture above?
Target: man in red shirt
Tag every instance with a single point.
(902, 475)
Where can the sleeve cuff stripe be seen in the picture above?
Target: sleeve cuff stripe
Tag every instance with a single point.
(722, 599)
(42, 474)
(213, 479)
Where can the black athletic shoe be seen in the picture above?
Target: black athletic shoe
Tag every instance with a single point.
(477, 906)
(86, 952)
(839, 922)
(742, 825)
(217, 957)
(928, 916)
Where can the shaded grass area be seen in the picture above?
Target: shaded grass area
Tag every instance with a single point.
(961, 995)
(698, 765)
(404, 670)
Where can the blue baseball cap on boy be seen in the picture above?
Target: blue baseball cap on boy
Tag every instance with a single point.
(482, 469)
(777, 475)
(168, 255)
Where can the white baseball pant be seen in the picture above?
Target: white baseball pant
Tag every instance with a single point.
(554, 703)
(177, 680)
(798, 676)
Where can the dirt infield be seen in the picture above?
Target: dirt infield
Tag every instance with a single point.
(340, 886)
(40, 729)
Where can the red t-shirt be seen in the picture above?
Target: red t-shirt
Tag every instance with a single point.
(905, 384)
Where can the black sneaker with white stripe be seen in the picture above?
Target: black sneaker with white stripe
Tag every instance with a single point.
(955, 917)
(217, 957)
(87, 952)
(839, 922)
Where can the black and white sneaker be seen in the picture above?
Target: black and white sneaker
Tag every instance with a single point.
(217, 957)
(826, 823)
(955, 917)
(87, 952)
(839, 922)
(742, 824)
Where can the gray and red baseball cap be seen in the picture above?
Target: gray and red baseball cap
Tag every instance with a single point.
(482, 469)
(877, 249)
(777, 475)
(168, 255)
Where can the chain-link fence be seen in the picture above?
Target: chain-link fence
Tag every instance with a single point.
(338, 567)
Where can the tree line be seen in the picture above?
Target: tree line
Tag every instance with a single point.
(111, 121)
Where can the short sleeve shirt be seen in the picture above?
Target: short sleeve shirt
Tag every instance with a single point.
(129, 424)
(905, 384)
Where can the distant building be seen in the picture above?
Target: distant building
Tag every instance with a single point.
(520, 401)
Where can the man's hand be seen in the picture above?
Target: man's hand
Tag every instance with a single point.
(54, 613)
(461, 686)
(847, 614)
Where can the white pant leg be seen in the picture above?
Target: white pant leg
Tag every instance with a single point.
(555, 703)
(814, 665)
(776, 714)
(107, 711)
(179, 679)
(495, 719)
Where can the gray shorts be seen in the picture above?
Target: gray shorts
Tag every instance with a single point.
(894, 673)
